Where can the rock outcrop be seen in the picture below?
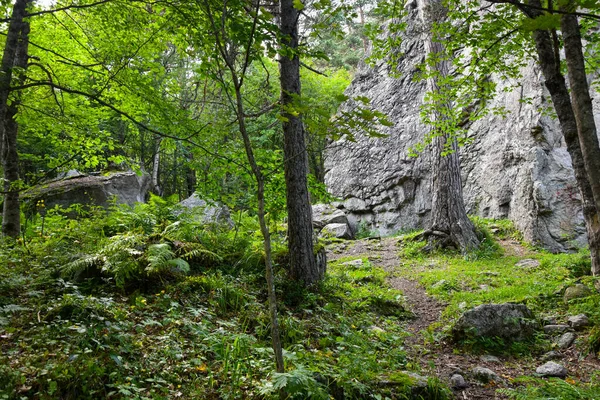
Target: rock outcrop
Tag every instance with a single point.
(98, 190)
(516, 167)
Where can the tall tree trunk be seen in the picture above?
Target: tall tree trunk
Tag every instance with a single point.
(303, 265)
(450, 225)
(556, 85)
(155, 184)
(582, 101)
(190, 177)
(15, 55)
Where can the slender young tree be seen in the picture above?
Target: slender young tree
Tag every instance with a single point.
(231, 54)
(303, 265)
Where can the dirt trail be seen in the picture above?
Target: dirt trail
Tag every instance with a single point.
(435, 359)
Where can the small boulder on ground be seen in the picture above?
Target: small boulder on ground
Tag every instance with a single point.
(457, 382)
(554, 329)
(490, 359)
(566, 340)
(552, 355)
(485, 375)
(508, 321)
(528, 263)
(354, 263)
(551, 369)
(340, 231)
(579, 322)
(577, 291)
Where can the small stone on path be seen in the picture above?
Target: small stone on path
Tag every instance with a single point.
(552, 355)
(552, 369)
(579, 322)
(528, 263)
(354, 263)
(485, 375)
(490, 359)
(554, 329)
(376, 329)
(458, 382)
(566, 340)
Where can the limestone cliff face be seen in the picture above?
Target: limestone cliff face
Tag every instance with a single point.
(517, 166)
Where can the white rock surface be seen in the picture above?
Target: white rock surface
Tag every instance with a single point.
(517, 166)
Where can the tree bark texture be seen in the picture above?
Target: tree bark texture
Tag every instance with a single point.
(15, 55)
(450, 225)
(561, 99)
(155, 184)
(303, 266)
(582, 101)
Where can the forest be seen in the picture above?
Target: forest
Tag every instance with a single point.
(300, 199)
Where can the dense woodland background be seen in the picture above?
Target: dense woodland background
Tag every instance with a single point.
(236, 101)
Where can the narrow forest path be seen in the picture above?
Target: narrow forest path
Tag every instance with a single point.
(430, 356)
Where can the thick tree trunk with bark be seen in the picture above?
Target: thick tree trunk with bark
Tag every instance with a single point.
(15, 55)
(450, 225)
(582, 101)
(303, 265)
(561, 99)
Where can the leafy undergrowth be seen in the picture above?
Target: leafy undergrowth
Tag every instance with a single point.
(142, 304)
(489, 276)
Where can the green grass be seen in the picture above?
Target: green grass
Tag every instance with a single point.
(489, 276)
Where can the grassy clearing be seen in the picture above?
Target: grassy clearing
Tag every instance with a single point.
(489, 276)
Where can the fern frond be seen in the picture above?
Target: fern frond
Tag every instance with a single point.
(78, 266)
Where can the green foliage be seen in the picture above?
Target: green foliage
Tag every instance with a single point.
(204, 335)
(553, 388)
(579, 264)
(299, 383)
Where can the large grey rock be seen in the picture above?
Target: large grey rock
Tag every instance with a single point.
(210, 213)
(516, 167)
(552, 369)
(509, 321)
(96, 190)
